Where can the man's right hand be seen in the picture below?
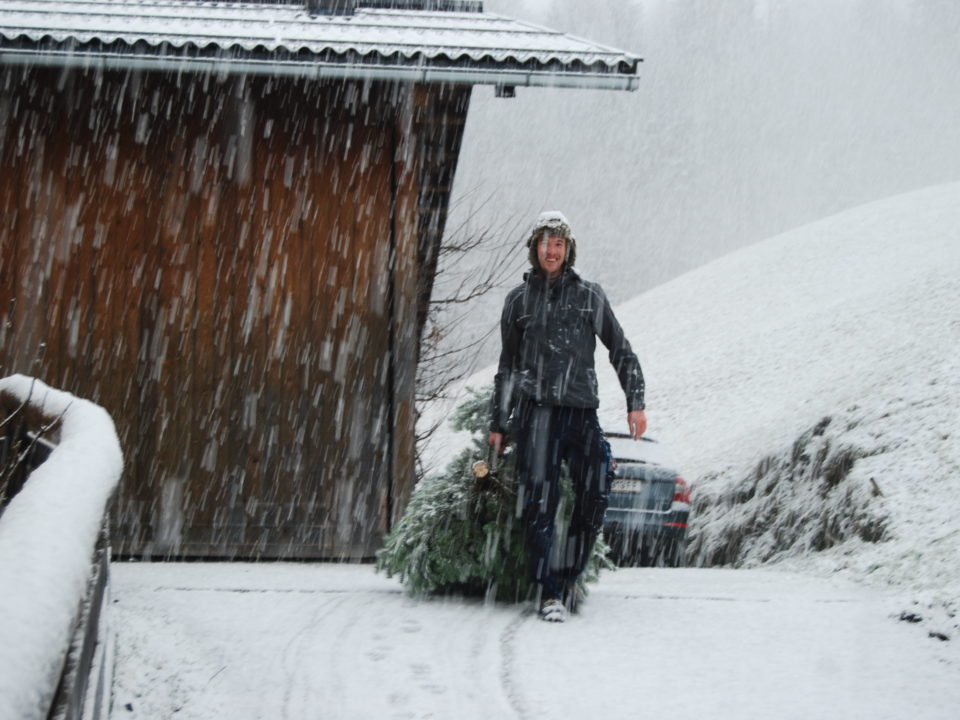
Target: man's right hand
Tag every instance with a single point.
(496, 440)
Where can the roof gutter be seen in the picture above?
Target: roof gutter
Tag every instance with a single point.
(319, 70)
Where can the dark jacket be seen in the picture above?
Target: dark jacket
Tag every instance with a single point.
(549, 336)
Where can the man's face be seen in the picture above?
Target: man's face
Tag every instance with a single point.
(551, 252)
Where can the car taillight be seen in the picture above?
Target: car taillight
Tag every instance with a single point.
(681, 491)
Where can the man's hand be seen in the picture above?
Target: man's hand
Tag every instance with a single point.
(637, 422)
(496, 439)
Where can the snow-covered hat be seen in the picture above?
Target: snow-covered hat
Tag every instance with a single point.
(554, 223)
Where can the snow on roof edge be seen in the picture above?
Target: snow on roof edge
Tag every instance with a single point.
(278, 35)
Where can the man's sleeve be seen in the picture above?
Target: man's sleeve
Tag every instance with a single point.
(622, 357)
(500, 403)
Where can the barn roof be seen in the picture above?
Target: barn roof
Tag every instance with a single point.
(416, 40)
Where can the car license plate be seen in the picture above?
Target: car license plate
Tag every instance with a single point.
(625, 485)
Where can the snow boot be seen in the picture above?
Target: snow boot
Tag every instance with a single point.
(553, 610)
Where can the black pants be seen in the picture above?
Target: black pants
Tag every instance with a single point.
(545, 437)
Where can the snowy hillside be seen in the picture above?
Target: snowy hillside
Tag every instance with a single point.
(855, 318)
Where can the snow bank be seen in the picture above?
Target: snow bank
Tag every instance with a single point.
(47, 537)
(804, 499)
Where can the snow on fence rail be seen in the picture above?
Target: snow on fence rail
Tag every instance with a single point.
(48, 535)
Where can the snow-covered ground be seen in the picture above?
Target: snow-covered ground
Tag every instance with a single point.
(855, 318)
(279, 641)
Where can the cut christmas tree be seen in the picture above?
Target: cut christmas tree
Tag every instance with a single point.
(461, 532)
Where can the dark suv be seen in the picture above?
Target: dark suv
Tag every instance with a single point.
(646, 520)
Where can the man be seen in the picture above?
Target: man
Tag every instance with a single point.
(546, 391)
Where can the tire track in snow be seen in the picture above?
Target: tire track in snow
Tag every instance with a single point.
(508, 665)
(299, 684)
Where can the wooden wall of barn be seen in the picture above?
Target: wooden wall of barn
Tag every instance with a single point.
(232, 267)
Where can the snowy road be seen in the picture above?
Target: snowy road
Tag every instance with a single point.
(246, 641)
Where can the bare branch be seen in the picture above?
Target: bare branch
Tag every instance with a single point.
(472, 264)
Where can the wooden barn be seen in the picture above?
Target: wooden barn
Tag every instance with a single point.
(221, 221)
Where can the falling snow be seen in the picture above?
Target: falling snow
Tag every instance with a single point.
(751, 118)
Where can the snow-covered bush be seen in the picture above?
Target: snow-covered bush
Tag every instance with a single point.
(803, 499)
(461, 535)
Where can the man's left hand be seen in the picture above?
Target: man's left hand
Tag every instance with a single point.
(637, 422)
